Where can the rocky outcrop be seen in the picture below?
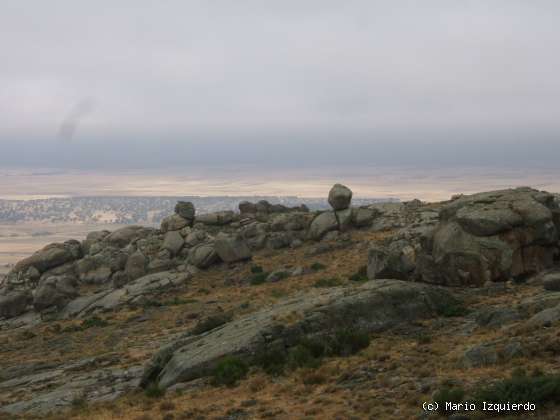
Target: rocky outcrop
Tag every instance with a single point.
(375, 306)
(493, 236)
(131, 293)
(52, 255)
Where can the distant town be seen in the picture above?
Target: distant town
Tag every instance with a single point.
(135, 210)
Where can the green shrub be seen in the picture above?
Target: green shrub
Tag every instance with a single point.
(272, 361)
(230, 371)
(94, 321)
(213, 321)
(329, 282)
(424, 338)
(315, 345)
(348, 342)
(448, 393)
(258, 278)
(301, 356)
(360, 275)
(317, 266)
(154, 391)
(308, 352)
(538, 389)
(79, 402)
(451, 308)
(255, 269)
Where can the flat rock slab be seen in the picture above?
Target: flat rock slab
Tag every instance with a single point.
(55, 387)
(110, 299)
(374, 306)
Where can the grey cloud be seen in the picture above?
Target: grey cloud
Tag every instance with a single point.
(287, 72)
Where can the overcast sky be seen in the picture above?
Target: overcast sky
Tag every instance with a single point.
(158, 83)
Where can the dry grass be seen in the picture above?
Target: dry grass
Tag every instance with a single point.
(383, 381)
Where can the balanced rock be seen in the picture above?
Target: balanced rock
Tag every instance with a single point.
(185, 209)
(340, 197)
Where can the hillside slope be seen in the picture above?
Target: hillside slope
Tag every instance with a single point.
(276, 312)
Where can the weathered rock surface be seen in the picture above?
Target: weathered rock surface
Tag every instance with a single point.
(395, 261)
(232, 249)
(173, 222)
(55, 292)
(203, 255)
(375, 306)
(322, 224)
(122, 237)
(494, 236)
(173, 242)
(218, 218)
(51, 256)
(14, 303)
(111, 299)
(136, 265)
(58, 387)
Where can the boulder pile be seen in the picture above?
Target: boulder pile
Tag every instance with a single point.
(486, 237)
(50, 279)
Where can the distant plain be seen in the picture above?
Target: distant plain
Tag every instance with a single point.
(20, 240)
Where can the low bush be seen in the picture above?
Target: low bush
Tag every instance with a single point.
(229, 371)
(272, 361)
(317, 266)
(328, 282)
(538, 388)
(153, 390)
(255, 269)
(348, 342)
(258, 278)
(301, 356)
(451, 308)
(360, 275)
(94, 321)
